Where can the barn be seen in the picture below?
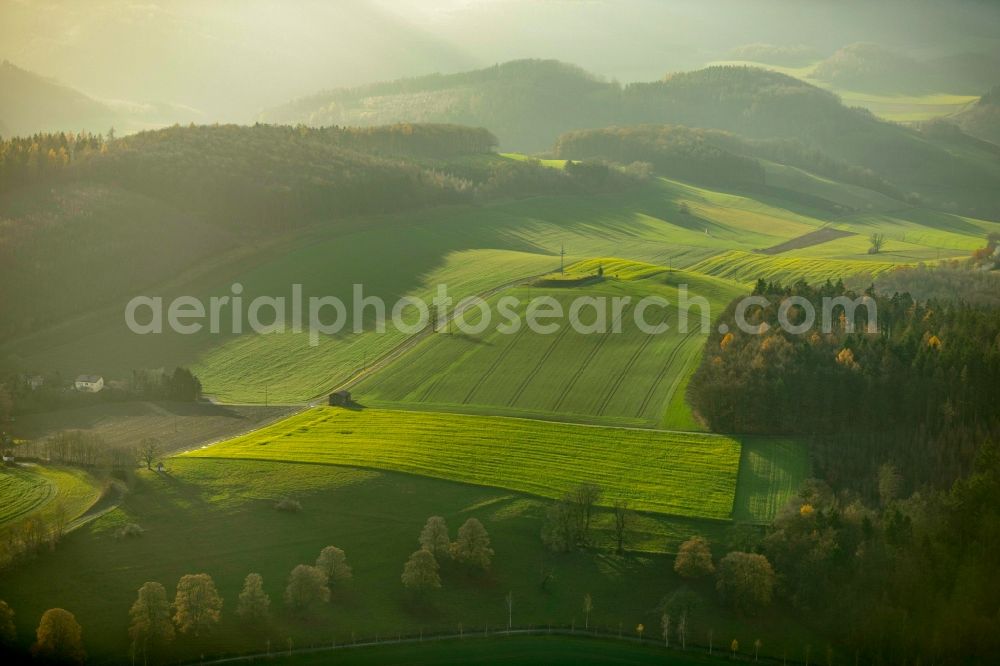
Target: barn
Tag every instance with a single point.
(340, 399)
(89, 383)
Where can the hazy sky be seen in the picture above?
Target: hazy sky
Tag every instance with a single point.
(231, 58)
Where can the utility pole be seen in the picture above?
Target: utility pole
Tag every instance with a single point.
(562, 257)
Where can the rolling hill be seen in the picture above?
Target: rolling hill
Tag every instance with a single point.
(31, 103)
(982, 120)
(529, 103)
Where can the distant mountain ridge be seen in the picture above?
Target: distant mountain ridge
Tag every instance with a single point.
(31, 103)
(529, 103)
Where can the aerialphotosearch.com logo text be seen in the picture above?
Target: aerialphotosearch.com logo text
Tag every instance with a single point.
(324, 316)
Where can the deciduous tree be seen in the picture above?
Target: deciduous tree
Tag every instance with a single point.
(745, 580)
(150, 626)
(434, 537)
(307, 586)
(197, 604)
(623, 519)
(694, 558)
(8, 631)
(254, 603)
(420, 573)
(472, 547)
(59, 638)
(333, 562)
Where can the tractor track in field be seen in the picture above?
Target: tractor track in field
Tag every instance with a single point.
(586, 362)
(625, 370)
(501, 357)
(662, 373)
(538, 366)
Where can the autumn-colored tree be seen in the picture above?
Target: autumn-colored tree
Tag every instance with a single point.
(694, 558)
(420, 573)
(434, 537)
(197, 604)
(59, 638)
(307, 586)
(333, 562)
(472, 547)
(150, 626)
(746, 581)
(8, 631)
(254, 603)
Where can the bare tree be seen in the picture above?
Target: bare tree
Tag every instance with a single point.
(665, 626)
(509, 603)
(682, 630)
(877, 242)
(588, 607)
(623, 519)
(585, 497)
(149, 449)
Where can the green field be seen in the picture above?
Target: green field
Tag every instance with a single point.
(472, 249)
(748, 267)
(217, 516)
(30, 488)
(625, 376)
(771, 472)
(684, 474)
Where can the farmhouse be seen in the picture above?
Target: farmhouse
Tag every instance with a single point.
(89, 383)
(340, 399)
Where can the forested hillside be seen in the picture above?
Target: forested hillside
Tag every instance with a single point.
(196, 192)
(676, 152)
(529, 103)
(919, 391)
(982, 120)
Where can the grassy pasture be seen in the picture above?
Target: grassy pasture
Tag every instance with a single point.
(471, 248)
(747, 267)
(626, 377)
(217, 516)
(30, 488)
(771, 472)
(684, 474)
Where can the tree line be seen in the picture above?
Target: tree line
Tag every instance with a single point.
(155, 621)
(674, 151)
